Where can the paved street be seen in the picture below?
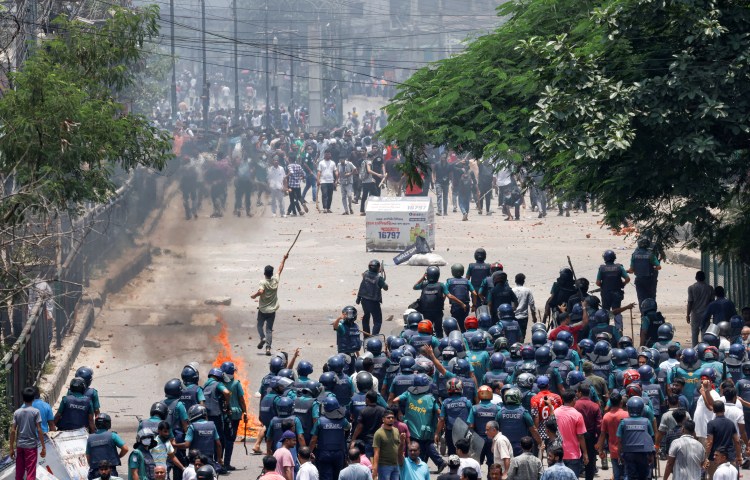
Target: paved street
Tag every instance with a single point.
(159, 322)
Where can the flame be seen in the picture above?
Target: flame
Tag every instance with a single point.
(226, 354)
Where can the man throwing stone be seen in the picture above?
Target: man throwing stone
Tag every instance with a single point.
(268, 303)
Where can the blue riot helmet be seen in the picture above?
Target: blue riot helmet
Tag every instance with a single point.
(647, 354)
(409, 351)
(709, 373)
(172, 389)
(477, 342)
(406, 364)
(485, 320)
(396, 355)
(736, 354)
(189, 374)
(586, 345)
(725, 329)
(448, 354)
(449, 324)
(462, 368)
(363, 381)
(736, 323)
(625, 342)
(497, 361)
(330, 404)
(576, 312)
(87, 374)
(543, 355)
(228, 368)
(284, 406)
(287, 373)
(527, 353)
(275, 364)
(602, 348)
(527, 367)
(635, 406)
(565, 336)
(632, 355)
(505, 310)
(359, 364)
(601, 317)
(458, 347)
(646, 372)
(336, 364)
(538, 338)
(700, 350)
(413, 319)
(620, 358)
(495, 332)
(609, 256)
(560, 349)
(574, 378)
(443, 342)
(538, 326)
(374, 346)
(515, 350)
(711, 336)
(304, 369)
(648, 305)
(665, 332)
(604, 336)
(328, 380)
(689, 358)
(397, 343)
(432, 274)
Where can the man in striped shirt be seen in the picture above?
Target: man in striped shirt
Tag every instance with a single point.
(294, 178)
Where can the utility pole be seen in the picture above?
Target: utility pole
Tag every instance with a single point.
(268, 78)
(314, 36)
(173, 89)
(206, 86)
(236, 66)
(291, 74)
(276, 72)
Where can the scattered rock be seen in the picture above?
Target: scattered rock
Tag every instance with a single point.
(101, 361)
(92, 343)
(389, 319)
(156, 251)
(218, 301)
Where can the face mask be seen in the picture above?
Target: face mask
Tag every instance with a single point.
(146, 441)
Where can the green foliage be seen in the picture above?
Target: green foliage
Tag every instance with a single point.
(152, 81)
(63, 131)
(642, 103)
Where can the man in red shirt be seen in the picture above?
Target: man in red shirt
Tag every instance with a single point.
(592, 418)
(544, 403)
(609, 432)
(571, 427)
(564, 324)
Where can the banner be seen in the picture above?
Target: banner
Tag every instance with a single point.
(395, 223)
(419, 247)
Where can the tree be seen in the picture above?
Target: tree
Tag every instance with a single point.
(643, 104)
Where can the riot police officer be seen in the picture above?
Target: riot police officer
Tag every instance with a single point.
(157, 414)
(650, 322)
(104, 445)
(237, 410)
(342, 387)
(284, 414)
(203, 436)
(217, 402)
(645, 266)
(192, 393)
(75, 410)
(380, 361)
(329, 437)
(140, 461)
(515, 421)
(87, 374)
(462, 289)
(307, 410)
(432, 299)
(348, 337)
(454, 407)
(611, 278)
(370, 295)
(403, 380)
(478, 271)
(484, 412)
(636, 440)
(511, 327)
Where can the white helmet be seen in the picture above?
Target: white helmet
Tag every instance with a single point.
(407, 312)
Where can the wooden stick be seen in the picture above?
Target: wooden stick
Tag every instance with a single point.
(295, 241)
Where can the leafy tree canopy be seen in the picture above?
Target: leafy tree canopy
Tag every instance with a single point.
(62, 130)
(644, 104)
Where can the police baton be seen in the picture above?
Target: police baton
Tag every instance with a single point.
(575, 280)
(632, 328)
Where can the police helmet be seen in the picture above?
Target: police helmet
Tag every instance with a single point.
(526, 380)
(689, 357)
(512, 397)
(602, 349)
(635, 406)
(462, 367)
(601, 317)
(189, 374)
(286, 373)
(646, 352)
(448, 353)
(159, 409)
(328, 380)
(425, 326)
(736, 323)
(710, 353)
(484, 393)
(648, 305)
(336, 364)
(725, 329)
(496, 267)
(413, 319)
(609, 256)
(538, 338)
(477, 342)
(593, 302)
(574, 378)
(632, 354)
(450, 324)
(206, 472)
(646, 372)
(103, 422)
(406, 364)
(565, 336)
(560, 349)
(633, 390)
(397, 343)
(582, 284)
(527, 352)
(708, 373)
(228, 368)
(305, 368)
(495, 332)
(364, 381)
(457, 270)
(665, 332)
(458, 347)
(409, 351)
(425, 366)
(216, 373)
(471, 323)
(566, 274)
(275, 364)
(144, 433)
(746, 369)
(497, 361)
(577, 312)
(349, 313)
(625, 342)
(629, 376)
(542, 382)
(736, 354)
(454, 385)
(501, 343)
(197, 412)
(700, 350)
(173, 388)
(711, 336)
(86, 373)
(359, 363)
(515, 350)
(422, 380)
(330, 404)
(527, 367)
(284, 407)
(432, 274)
(604, 336)
(644, 243)
(374, 266)
(78, 385)
(505, 310)
(539, 327)
(543, 355)
(408, 312)
(484, 320)
(586, 345)
(480, 255)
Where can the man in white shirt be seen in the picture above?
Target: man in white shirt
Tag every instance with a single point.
(502, 450)
(307, 471)
(725, 470)
(734, 412)
(327, 177)
(702, 413)
(525, 304)
(462, 449)
(276, 176)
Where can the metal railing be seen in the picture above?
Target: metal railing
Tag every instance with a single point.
(732, 274)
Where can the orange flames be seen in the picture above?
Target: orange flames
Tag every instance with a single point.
(226, 355)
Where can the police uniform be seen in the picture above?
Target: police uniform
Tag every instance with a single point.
(192, 394)
(650, 323)
(202, 435)
(515, 423)
(484, 412)
(455, 407)
(307, 410)
(432, 303)
(460, 288)
(371, 296)
(379, 366)
(213, 389)
(643, 263)
(636, 441)
(331, 446)
(477, 273)
(75, 411)
(611, 276)
(103, 445)
(348, 341)
(275, 429)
